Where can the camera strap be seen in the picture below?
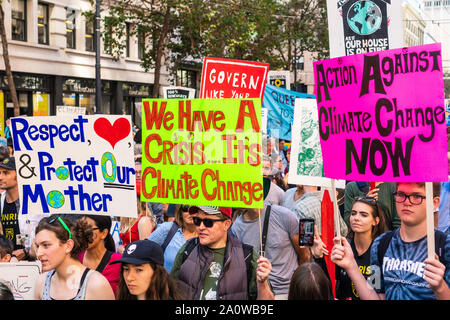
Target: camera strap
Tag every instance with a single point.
(265, 227)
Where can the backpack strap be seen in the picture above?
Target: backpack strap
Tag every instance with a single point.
(439, 241)
(383, 245)
(170, 235)
(265, 227)
(190, 245)
(105, 260)
(248, 254)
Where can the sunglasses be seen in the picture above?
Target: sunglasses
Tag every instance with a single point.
(208, 223)
(371, 201)
(63, 224)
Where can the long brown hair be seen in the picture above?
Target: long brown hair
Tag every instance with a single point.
(162, 286)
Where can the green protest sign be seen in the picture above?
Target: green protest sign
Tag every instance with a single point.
(202, 151)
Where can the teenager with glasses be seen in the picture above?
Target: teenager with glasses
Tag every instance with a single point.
(399, 258)
(217, 266)
(367, 222)
(171, 236)
(59, 241)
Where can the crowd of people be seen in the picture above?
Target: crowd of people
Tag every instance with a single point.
(193, 252)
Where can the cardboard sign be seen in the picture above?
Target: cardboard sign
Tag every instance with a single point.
(306, 165)
(178, 93)
(357, 26)
(280, 79)
(82, 164)
(20, 277)
(202, 151)
(280, 104)
(375, 121)
(226, 78)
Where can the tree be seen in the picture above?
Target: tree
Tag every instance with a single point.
(9, 75)
(256, 30)
(152, 20)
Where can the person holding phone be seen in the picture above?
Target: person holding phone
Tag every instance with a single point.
(367, 222)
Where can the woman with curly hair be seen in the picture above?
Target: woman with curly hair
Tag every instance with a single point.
(59, 241)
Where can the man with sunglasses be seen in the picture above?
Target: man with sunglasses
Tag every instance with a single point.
(216, 265)
(401, 269)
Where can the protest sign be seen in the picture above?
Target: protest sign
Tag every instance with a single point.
(306, 165)
(79, 164)
(202, 151)
(226, 78)
(382, 117)
(280, 104)
(70, 111)
(359, 26)
(178, 93)
(20, 277)
(281, 79)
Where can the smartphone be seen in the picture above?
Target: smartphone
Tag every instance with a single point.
(306, 232)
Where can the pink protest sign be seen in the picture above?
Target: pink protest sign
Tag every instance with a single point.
(382, 115)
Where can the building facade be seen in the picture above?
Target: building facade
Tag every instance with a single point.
(52, 56)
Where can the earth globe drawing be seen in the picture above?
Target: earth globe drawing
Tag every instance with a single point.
(62, 173)
(55, 199)
(108, 157)
(364, 17)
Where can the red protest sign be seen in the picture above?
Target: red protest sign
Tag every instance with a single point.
(226, 78)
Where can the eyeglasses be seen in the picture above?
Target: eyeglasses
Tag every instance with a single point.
(184, 208)
(63, 224)
(367, 200)
(416, 199)
(208, 223)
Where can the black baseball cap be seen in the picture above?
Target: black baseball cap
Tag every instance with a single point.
(9, 163)
(142, 252)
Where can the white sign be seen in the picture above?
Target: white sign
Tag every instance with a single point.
(281, 79)
(70, 111)
(20, 277)
(357, 26)
(178, 93)
(82, 164)
(306, 165)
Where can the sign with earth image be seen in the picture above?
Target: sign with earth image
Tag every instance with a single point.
(75, 164)
(360, 26)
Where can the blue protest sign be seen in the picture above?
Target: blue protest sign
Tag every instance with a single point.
(280, 104)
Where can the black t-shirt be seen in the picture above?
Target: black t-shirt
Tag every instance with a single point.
(345, 289)
(10, 223)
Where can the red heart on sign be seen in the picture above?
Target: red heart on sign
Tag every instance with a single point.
(112, 133)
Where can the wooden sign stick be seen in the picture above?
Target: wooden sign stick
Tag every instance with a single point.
(430, 219)
(336, 209)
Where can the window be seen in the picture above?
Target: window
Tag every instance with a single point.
(128, 30)
(141, 45)
(18, 20)
(42, 23)
(70, 28)
(186, 78)
(89, 36)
